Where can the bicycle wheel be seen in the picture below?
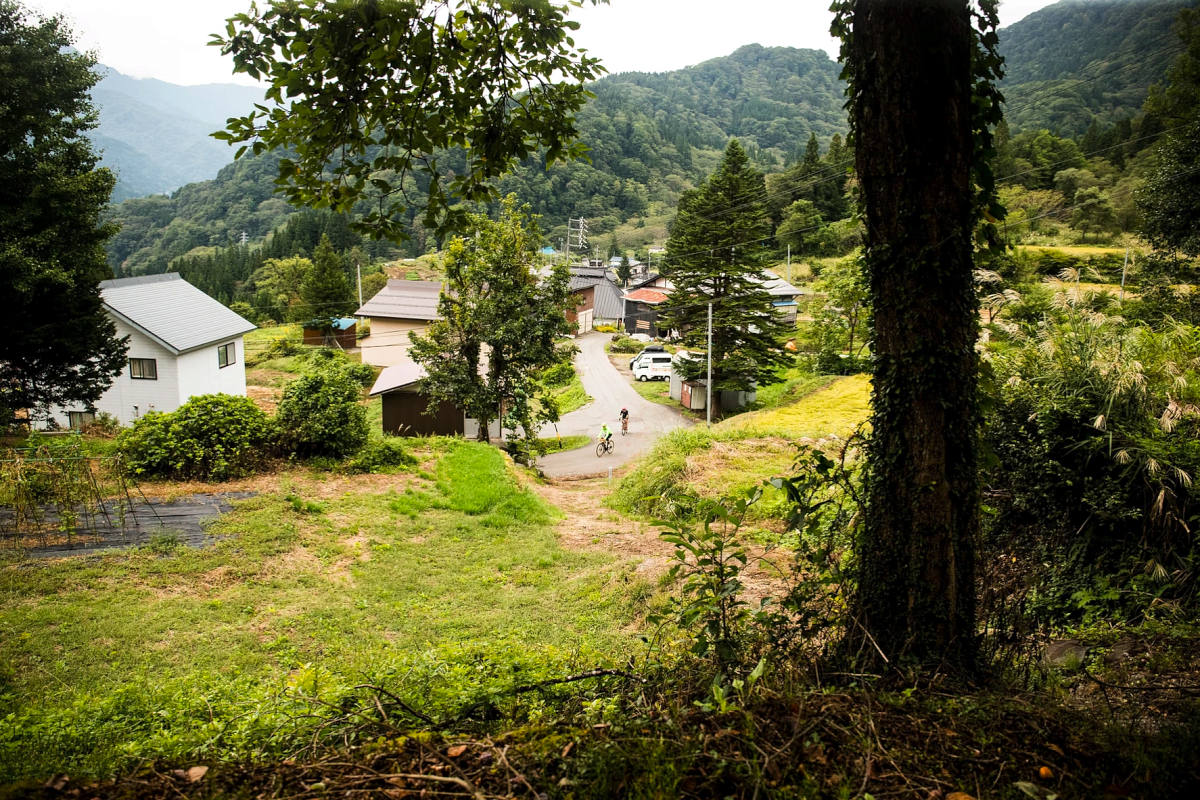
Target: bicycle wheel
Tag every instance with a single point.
(600, 449)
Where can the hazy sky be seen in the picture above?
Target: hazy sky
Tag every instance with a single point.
(166, 39)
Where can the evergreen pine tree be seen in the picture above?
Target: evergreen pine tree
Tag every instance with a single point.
(325, 291)
(58, 346)
(812, 153)
(715, 254)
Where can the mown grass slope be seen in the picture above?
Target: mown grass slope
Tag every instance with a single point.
(440, 584)
(740, 452)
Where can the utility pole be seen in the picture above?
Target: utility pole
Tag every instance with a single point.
(789, 267)
(708, 381)
(358, 276)
(1125, 266)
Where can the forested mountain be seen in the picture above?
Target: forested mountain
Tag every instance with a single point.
(155, 135)
(1083, 60)
(651, 137)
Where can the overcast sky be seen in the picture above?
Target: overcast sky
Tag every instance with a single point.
(166, 39)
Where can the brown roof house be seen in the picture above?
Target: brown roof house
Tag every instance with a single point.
(406, 409)
(641, 311)
(399, 307)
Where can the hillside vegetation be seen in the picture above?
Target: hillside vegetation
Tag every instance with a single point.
(1080, 62)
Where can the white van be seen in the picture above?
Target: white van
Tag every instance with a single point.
(653, 367)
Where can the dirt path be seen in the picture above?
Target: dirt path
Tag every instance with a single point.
(591, 525)
(588, 524)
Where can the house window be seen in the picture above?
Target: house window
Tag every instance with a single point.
(226, 355)
(145, 369)
(78, 419)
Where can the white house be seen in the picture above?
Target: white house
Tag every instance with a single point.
(181, 343)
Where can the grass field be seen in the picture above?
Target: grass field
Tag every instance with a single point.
(441, 584)
(740, 452)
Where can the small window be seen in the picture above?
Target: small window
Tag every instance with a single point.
(80, 419)
(144, 369)
(226, 355)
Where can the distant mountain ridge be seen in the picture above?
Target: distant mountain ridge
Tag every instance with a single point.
(1082, 60)
(652, 136)
(155, 135)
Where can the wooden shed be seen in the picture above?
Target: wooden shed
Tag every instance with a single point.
(406, 410)
(341, 332)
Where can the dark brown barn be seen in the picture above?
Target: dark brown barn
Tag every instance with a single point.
(405, 409)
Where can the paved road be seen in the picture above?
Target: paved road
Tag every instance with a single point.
(610, 392)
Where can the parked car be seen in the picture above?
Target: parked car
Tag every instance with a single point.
(654, 348)
(653, 367)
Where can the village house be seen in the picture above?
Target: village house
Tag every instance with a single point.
(398, 308)
(641, 311)
(598, 298)
(182, 343)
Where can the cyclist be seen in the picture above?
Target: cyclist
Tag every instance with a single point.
(605, 433)
(624, 421)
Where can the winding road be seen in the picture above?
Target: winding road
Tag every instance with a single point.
(610, 393)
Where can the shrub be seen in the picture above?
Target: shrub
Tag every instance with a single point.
(105, 425)
(625, 344)
(605, 328)
(381, 455)
(323, 358)
(320, 413)
(210, 437)
(559, 375)
(1094, 440)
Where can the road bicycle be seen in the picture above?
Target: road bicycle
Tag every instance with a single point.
(604, 446)
(624, 425)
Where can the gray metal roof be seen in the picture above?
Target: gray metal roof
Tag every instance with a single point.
(401, 299)
(778, 287)
(171, 311)
(608, 301)
(608, 294)
(397, 376)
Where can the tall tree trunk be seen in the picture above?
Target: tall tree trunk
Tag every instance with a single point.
(912, 122)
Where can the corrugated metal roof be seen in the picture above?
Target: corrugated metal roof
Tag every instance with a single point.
(404, 300)
(778, 287)
(172, 311)
(398, 376)
(608, 303)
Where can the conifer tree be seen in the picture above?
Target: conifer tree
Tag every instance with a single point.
(716, 253)
(58, 346)
(326, 291)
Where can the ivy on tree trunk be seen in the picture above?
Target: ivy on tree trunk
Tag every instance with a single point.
(916, 70)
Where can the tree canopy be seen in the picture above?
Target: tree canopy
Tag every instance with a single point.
(368, 95)
(57, 346)
(499, 324)
(716, 255)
